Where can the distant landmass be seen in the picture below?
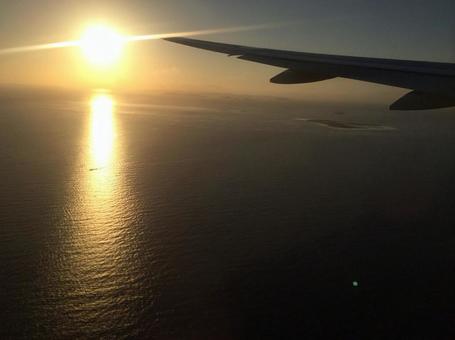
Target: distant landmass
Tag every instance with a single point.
(336, 124)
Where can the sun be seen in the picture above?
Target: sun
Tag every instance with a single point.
(102, 45)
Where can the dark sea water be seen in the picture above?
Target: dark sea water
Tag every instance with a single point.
(220, 217)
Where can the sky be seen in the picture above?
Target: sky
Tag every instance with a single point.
(402, 29)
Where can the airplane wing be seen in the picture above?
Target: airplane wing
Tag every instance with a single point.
(432, 84)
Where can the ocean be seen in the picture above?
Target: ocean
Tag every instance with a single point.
(210, 216)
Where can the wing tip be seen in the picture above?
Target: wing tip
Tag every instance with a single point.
(175, 39)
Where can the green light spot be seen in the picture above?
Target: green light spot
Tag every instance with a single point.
(355, 284)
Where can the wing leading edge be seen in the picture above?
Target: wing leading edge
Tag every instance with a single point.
(432, 84)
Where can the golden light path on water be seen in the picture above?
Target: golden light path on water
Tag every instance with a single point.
(107, 203)
(97, 263)
(102, 130)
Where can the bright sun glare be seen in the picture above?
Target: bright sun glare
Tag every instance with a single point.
(102, 45)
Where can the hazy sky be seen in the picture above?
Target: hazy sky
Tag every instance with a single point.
(418, 29)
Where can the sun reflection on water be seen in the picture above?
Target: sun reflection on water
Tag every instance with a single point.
(102, 130)
(96, 262)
